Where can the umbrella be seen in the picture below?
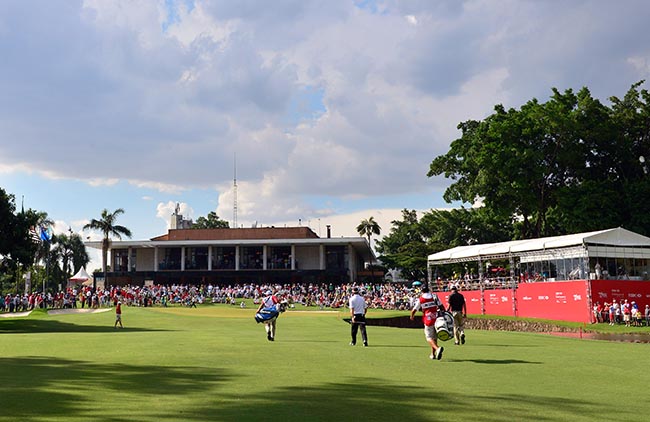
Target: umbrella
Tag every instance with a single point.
(416, 283)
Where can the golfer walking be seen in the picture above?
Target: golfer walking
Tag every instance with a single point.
(358, 313)
(458, 308)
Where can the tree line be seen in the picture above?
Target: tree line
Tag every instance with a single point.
(28, 248)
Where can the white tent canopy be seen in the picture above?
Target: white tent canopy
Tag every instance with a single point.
(81, 275)
(617, 237)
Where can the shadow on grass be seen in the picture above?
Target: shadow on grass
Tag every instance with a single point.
(376, 400)
(33, 386)
(21, 326)
(496, 361)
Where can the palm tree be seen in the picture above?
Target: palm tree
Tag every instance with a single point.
(367, 228)
(106, 225)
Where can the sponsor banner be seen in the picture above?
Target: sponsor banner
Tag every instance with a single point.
(473, 300)
(499, 302)
(565, 301)
(607, 290)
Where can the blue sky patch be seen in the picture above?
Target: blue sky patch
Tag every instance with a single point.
(306, 104)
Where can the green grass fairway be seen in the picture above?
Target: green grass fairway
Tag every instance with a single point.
(215, 364)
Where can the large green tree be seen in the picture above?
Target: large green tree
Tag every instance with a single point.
(564, 166)
(18, 248)
(411, 241)
(404, 248)
(106, 224)
(212, 221)
(70, 253)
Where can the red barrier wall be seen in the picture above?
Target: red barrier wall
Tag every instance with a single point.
(607, 290)
(563, 300)
(499, 302)
(560, 300)
(472, 299)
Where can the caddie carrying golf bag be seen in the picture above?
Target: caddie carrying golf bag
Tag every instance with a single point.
(268, 314)
(444, 326)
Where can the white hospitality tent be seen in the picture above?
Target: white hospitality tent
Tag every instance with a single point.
(612, 253)
(80, 277)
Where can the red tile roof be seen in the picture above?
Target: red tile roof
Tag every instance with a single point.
(239, 234)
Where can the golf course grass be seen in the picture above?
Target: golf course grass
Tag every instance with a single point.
(214, 363)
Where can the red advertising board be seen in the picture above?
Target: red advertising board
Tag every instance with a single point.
(564, 300)
(472, 299)
(560, 300)
(607, 290)
(499, 302)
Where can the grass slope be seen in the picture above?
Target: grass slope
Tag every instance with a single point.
(214, 363)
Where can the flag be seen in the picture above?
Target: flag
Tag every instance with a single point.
(46, 234)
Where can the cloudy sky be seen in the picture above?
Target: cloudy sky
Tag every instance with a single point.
(332, 110)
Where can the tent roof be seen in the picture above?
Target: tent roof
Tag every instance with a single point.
(611, 237)
(81, 275)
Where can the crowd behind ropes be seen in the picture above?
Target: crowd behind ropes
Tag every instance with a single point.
(394, 296)
(377, 295)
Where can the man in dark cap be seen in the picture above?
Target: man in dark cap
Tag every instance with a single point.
(458, 308)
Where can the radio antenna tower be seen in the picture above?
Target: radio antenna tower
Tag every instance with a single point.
(234, 193)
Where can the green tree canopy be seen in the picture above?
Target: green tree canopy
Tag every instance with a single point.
(212, 221)
(559, 167)
(18, 248)
(411, 241)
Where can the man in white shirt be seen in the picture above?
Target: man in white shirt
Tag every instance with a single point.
(358, 314)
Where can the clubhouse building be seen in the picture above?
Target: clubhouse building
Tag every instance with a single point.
(242, 255)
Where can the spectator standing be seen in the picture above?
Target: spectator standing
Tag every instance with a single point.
(358, 310)
(429, 304)
(458, 308)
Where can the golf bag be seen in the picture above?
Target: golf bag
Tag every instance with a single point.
(268, 314)
(444, 326)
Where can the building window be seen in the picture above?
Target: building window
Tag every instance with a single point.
(171, 259)
(120, 260)
(250, 258)
(279, 258)
(196, 258)
(223, 258)
(134, 259)
(336, 257)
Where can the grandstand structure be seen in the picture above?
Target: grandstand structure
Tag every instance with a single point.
(558, 278)
(606, 254)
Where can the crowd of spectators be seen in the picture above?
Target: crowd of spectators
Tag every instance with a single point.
(378, 295)
(384, 296)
